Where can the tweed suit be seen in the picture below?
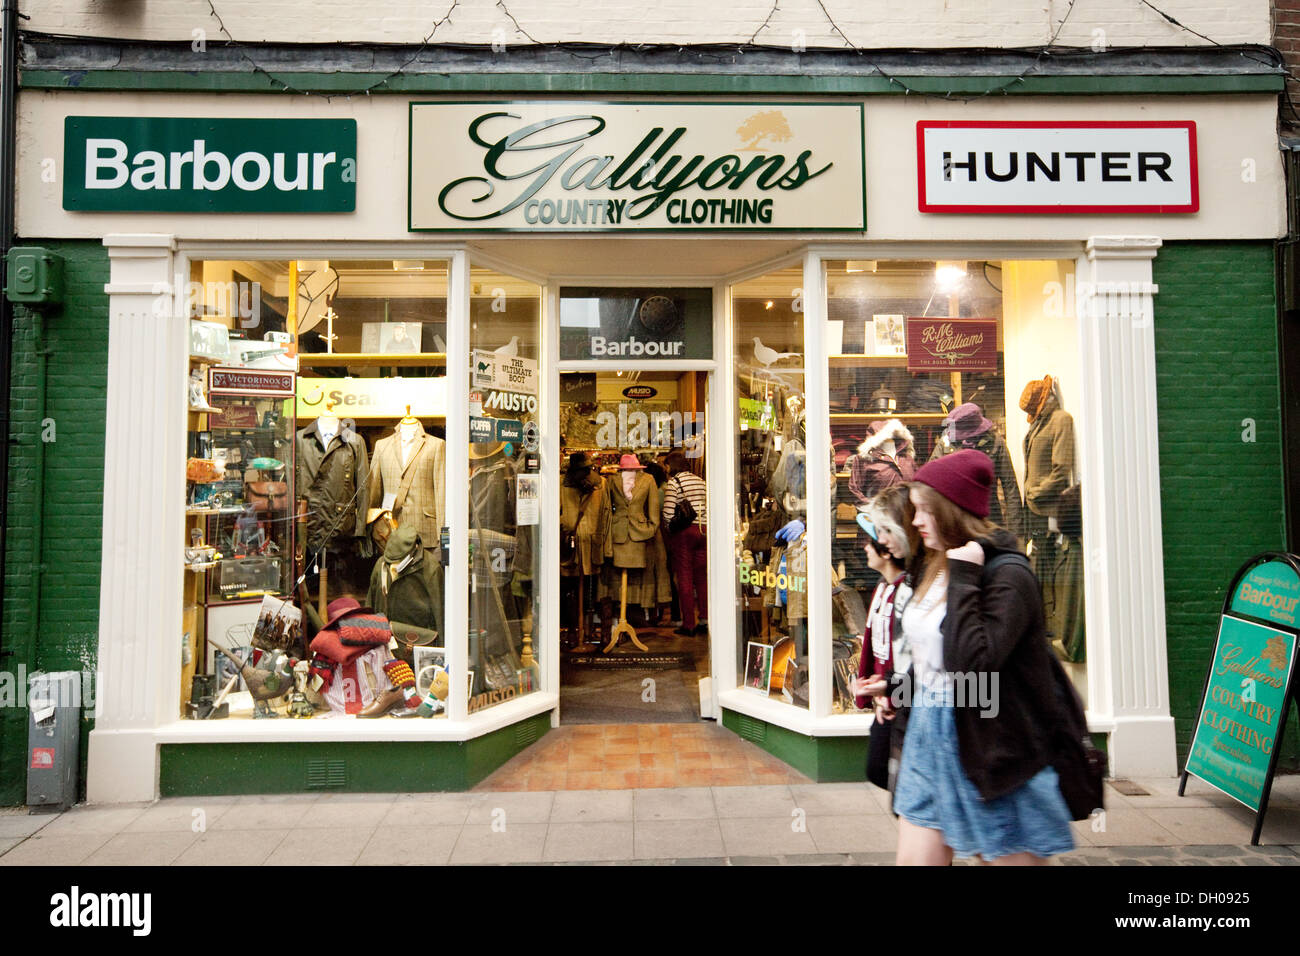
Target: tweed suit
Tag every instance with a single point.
(425, 504)
(634, 522)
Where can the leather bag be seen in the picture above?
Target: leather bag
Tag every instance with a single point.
(267, 495)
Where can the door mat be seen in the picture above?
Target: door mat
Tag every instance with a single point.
(634, 661)
(629, 695)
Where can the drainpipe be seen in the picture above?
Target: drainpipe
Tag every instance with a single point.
(8, 150)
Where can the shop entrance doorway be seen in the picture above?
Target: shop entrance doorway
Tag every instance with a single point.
(633, 585)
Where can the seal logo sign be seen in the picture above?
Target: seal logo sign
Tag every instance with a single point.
(314, 397)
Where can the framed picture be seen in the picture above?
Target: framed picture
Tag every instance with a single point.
(426, 660)
(391, 338)
(890, 334)
(279, 625)
(232, 626)
(758, 667)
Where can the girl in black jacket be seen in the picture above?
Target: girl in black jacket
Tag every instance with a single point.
(975, 777)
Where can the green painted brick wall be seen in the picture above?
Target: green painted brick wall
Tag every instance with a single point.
(76, 336)
(1221, 498)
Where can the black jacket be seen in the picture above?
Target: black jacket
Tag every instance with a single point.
(995, 628)
(333, 481)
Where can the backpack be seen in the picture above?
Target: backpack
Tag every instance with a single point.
(1080, 767)
(684, 516)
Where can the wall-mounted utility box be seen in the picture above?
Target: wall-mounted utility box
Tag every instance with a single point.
(34, 276)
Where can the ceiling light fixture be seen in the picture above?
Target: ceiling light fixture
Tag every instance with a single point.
(949, 275)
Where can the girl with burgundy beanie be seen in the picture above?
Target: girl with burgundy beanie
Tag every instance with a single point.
(976, 776)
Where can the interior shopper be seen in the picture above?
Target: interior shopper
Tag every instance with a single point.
(688, 542)
(975, 777)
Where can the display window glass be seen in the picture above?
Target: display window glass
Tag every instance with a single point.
(316, 490)
(771, 492)
(926, 358)
(505, 489)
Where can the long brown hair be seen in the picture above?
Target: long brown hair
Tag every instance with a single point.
(895, 505)
(955, 526)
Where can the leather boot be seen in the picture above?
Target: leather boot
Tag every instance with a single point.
(384, 703)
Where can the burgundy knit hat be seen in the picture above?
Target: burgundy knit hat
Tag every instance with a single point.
(965, 478)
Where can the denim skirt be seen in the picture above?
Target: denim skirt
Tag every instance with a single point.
(934, 792)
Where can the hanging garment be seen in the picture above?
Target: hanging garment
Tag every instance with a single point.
(406, 583)
(584, 521)
(425, 466)
(332, 475)
(1005, 504)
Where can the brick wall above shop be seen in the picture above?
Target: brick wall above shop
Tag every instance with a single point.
(878, 24)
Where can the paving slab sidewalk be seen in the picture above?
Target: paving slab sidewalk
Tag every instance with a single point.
(842, 824)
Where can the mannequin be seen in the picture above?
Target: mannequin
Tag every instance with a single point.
(1052, 528)
(332, 475)
(633, 523)
(966, 427)
(883, 460)
(410, 464)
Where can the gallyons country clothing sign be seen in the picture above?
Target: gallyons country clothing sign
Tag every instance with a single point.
(612, 167)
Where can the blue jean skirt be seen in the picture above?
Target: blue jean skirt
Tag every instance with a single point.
(934, 792)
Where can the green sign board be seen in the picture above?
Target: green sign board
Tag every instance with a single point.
(1270, 592)
(756, 414)
(1242, 712)
(183, 164)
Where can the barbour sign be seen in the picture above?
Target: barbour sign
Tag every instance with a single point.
(183, 164)
(608, 167)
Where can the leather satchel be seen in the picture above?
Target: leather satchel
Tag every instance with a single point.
(267, 495)
(409, 637)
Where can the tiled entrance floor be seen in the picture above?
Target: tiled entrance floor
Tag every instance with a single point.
(640, 756)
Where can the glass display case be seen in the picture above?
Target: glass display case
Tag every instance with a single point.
(247, 509)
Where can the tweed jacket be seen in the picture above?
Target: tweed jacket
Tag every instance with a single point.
(1049, 465)
(425, 504)
(584, 514)
(633, 523)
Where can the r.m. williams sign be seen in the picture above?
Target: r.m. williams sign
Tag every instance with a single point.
(605, 167)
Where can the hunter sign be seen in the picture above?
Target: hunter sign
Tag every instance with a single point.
(183, 164)
(600, 167)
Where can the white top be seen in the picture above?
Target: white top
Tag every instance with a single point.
(921, 621)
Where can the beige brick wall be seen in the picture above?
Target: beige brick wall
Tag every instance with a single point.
(867, 23)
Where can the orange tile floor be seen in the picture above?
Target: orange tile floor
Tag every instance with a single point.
(640, 756)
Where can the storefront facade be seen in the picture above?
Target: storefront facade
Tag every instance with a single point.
(1062, 276)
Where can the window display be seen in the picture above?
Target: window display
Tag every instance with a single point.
(504, 489)
(772, 474)
(919, 354)
(316, 483)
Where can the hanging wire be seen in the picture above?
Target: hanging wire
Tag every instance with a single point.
(290, 88)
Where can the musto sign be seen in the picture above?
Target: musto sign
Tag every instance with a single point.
(566, 167)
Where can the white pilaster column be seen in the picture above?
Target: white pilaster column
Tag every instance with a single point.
(1118, 442)
(140, 603)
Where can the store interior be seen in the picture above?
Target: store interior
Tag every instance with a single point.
(621, 619)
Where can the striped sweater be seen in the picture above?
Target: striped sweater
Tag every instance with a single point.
(692, 488)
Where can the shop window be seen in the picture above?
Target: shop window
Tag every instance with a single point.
(504, 475)
(926, 358)
(316, 489)
(772, 475)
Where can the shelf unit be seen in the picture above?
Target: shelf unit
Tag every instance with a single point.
(369, 360)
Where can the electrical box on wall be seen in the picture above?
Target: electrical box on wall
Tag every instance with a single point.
(34, 276)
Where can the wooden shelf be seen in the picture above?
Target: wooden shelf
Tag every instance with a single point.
(369, 360)
(853, 360)
(885, 416)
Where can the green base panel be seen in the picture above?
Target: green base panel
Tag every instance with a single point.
(356, 767)
(824, 759)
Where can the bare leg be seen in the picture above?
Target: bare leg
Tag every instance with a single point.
(1020, 859)
(919, 846)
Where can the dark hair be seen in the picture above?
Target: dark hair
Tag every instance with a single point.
(675, 461)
